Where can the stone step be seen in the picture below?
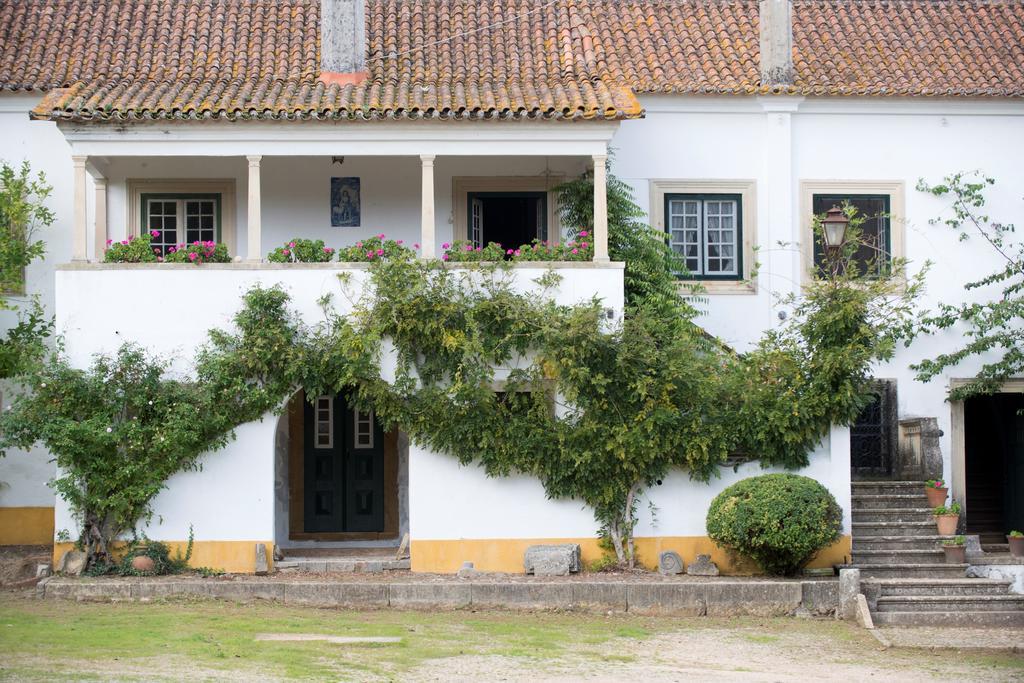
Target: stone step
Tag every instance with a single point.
(916, 514)
(999, 548)
(885, 487)
(927, 570)
(931, 542)
(894, 587)
(899, 557)
(886, 501)
(863, 530)
(987, 618)
(321, 565)
(951, 603)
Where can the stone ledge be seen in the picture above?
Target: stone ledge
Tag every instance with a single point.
(711, 598)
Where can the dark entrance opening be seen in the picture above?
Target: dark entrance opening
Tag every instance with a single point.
(994, 460)
(343, 467)
(511, 219)
(874, 435)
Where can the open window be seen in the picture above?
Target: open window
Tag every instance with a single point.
(511, 211)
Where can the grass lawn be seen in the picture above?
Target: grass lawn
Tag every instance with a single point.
(209, 640)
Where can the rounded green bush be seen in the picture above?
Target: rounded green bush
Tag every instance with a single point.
(780, 521)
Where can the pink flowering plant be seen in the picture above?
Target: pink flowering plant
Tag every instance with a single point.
(463, 251)
(935, 484)
(581, 248)
(302, 251)
(132, 250)
(198, 253)
(376, 248)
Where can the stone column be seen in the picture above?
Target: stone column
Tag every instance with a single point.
(80, 232)
(427, 237)
(600, 208)
(255, 231)
(100, 223)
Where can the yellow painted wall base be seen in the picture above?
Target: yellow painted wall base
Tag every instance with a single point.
(235, 557)
(26, 526)
(506, 554)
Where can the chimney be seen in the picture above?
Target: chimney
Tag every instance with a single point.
(342, 41)
(776, 21)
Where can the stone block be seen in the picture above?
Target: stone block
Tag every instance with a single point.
(261, 560)
(849, 589)
(72, 563)
(600, 596)
(670, 563)
(43, 570)
(702, 566)
(467, 571)
(336, 594)
(552, 560)
(526, 595)
(684, 599)
(149, 590)
(238, 591)
(863, 614)
(429, 595)
(760, 598)
(820, 598)
(103, 590)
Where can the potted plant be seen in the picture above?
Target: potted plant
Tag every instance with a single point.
(936, 491)
(955, 551)
(1016, 541)
(946, 518)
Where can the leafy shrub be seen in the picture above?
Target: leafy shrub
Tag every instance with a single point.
(955, 541)
(132, 250)
(198, 253)
(780, 521)
(374, 249)
(463, 251)
(302, 251)
(951, 509)
(157, 551)
(935, 484)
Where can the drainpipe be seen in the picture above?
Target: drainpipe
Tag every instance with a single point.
(776, 25)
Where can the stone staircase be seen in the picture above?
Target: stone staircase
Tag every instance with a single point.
(904, 575)
(341, 560)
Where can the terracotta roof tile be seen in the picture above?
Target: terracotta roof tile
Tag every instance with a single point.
(562, 59)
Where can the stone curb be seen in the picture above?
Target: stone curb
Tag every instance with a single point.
(712, 598)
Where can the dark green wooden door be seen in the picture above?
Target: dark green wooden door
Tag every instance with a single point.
(343, 468)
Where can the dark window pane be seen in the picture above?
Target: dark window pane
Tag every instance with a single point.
(875, 253)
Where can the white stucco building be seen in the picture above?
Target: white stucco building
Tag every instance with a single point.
(454, 118)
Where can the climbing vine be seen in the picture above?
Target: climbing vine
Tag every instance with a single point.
(595, 411)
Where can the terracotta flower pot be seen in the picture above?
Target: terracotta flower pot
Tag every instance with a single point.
(142, 563)
(946, 524)
(955, 554)
(1016, 545)
(936, 497)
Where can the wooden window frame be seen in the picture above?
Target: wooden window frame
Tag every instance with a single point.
(317, 422)
(702, 255)
(358, 418)
(747, 192)
(184, 187)
(894, 189)
(180, 200)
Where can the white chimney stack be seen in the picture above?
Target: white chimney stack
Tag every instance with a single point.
(776, 22)
(342, 36)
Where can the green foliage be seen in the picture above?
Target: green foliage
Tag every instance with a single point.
(955, 541)
(463, 251)
(118, 431)
(780, 521)
(198, 253)
(374, 249)
(132, 250)
(301, 251)
(951, 509)
(23, 212)
(935, 484)
(1016, 534)
(157, 551)
(989, 328)
(208, 572)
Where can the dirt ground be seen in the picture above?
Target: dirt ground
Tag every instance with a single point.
(740, 653)
(18, 562)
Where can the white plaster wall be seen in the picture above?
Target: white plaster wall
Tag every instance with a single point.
(24, 476)
(450, 501)
(232, 498)
(781, 141)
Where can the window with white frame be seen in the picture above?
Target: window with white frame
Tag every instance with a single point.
(323, 436)
(706, 230)
(175, 219)
(363, 429)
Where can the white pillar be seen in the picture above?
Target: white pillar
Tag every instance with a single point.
(100, 225)
(80, 231)
(600, 208)
(254, 232)
(427, 238)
